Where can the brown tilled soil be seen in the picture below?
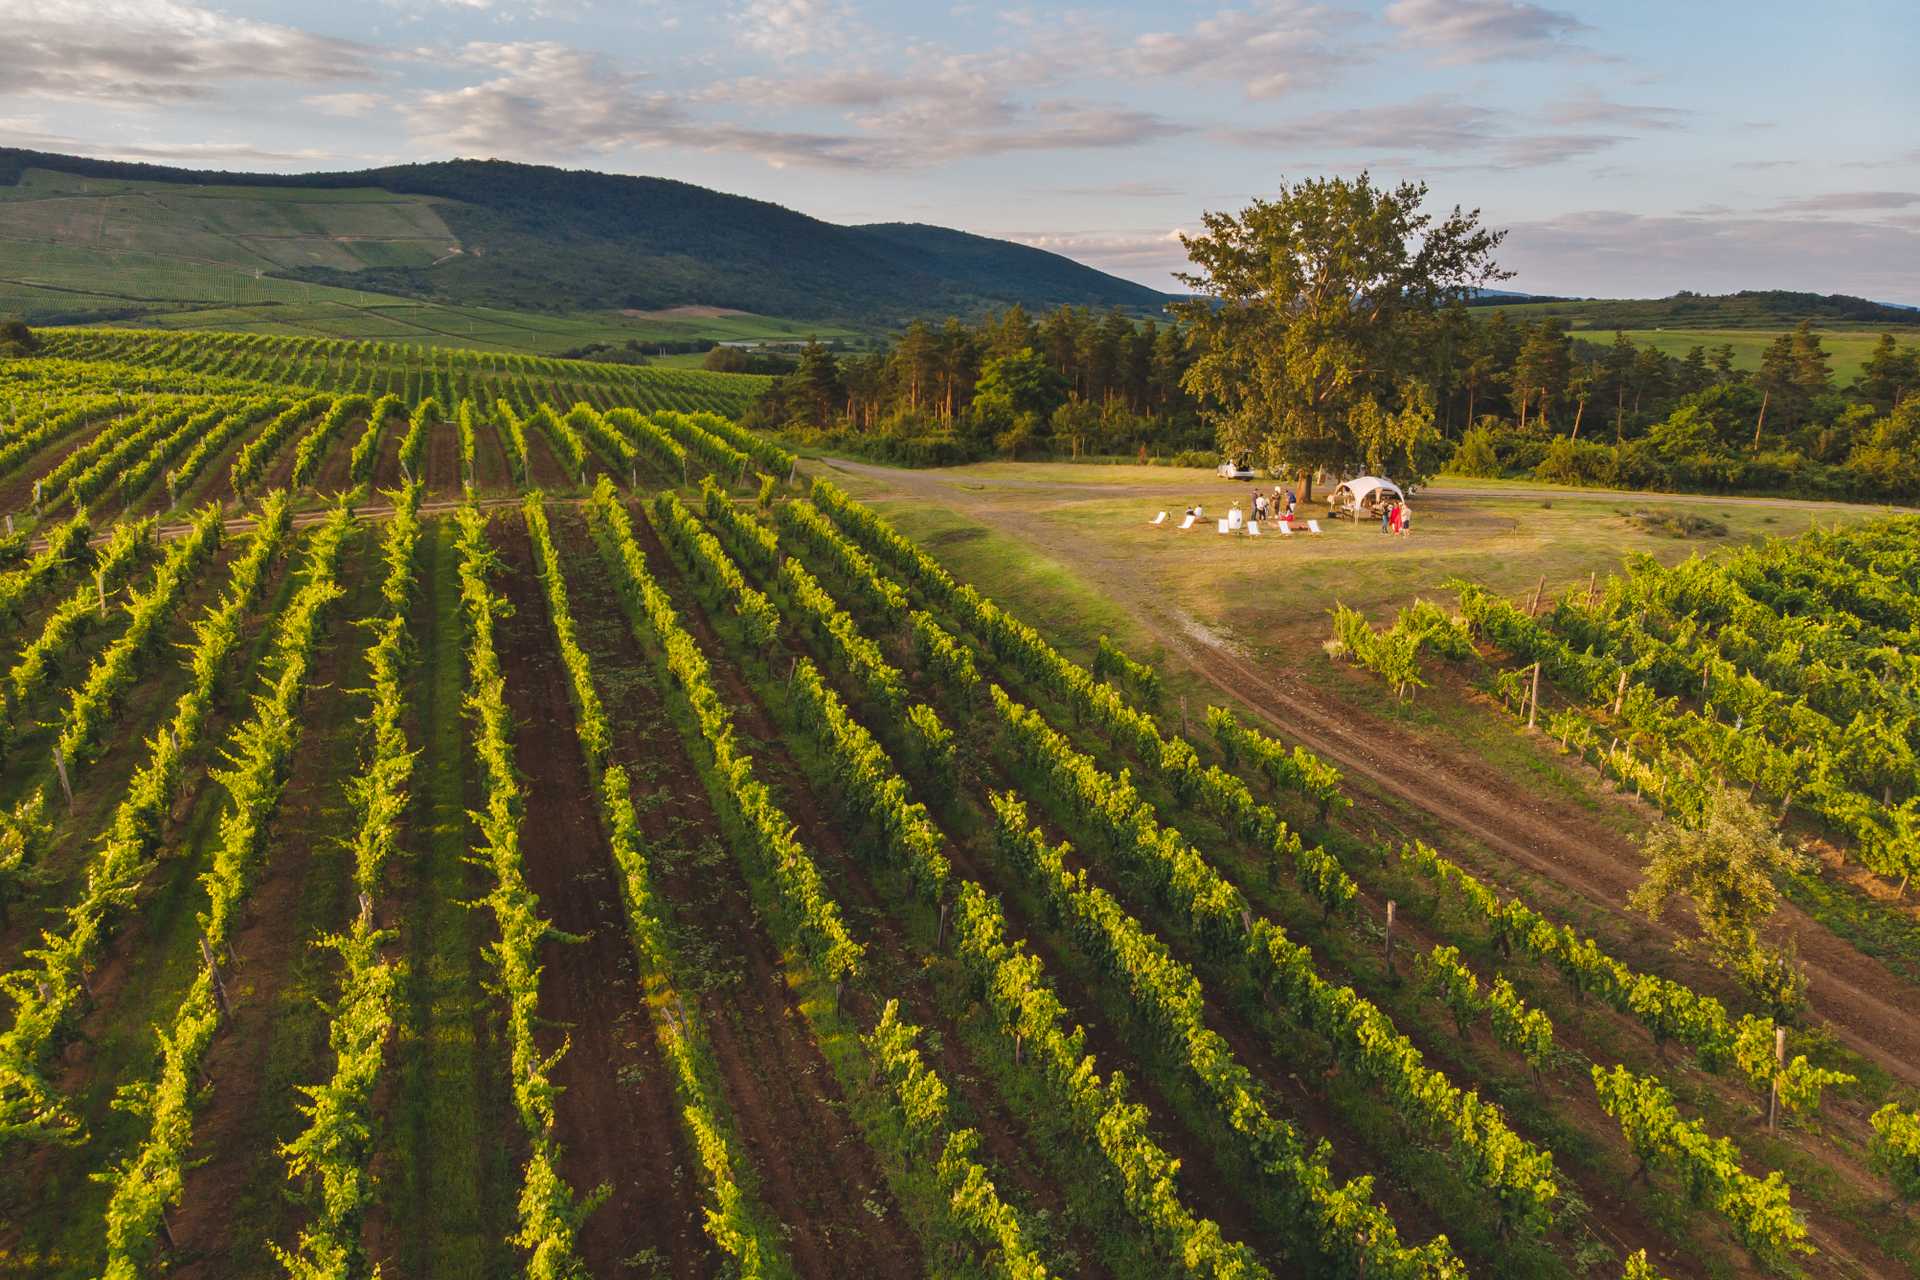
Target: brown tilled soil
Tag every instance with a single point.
(618, 1120)
(544, 468)
(100, 787)
(892, 957)
(817, 1176)
(128, 969)
(16, 487)
(334, 475)
(443, 461)
(490, 459)
(386, 462)
(275, 1042)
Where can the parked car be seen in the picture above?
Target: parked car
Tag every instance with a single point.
(1235, 469)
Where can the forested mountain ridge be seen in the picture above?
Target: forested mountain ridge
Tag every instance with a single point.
(532, 237)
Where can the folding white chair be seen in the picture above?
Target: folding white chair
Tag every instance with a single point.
(1286, 528)
(1221, 525)
(1313, 526)
(1158, 520)
(1187, 523)
(1253, 528)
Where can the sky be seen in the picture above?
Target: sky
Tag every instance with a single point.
(1629, 149)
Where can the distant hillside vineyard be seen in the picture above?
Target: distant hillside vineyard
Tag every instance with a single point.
(509, 236)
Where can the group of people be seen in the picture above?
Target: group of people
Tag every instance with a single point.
(1395, 517)
(1268, 507)
(1277, 506)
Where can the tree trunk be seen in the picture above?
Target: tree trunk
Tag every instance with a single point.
(1470, 392)
(1762, 420)
(1578, 414)
(1620, 414)
(1524, 398)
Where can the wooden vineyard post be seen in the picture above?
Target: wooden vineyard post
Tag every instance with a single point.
(1592, 579)
(9, 524)
(1780, 1060)
(100, 586)
(219, 987)
(1183, 715)
(1534, 608)
(66, 784)
(940, 939)
(1620, 692)
(1533, 699)
(793, 469)
(1391, 907)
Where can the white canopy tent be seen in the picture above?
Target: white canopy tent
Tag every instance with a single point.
(1363, 495)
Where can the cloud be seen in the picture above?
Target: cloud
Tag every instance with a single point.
(1146, 255)
(1434, 126)
(792, 28)
(1124, 190)
(1484, 30)
(1651, 256)
(544, 99)
(1591, 109)
(346, 105)
(146, 52)
(190, 154)
(1849, 202)
(1269, 49)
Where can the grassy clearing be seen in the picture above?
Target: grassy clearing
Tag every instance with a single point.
(1071, 548)
(1848, 347)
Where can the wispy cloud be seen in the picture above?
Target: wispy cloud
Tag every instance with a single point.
(1147, 255)
(1121, 190)
(1268, 49)
(1440, 131)
(1850, 202)
(146, 52)
(1484, 30)
(783, 29)
(544, 100)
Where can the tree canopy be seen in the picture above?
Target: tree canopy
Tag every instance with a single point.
(15, 338)
(1315, 316)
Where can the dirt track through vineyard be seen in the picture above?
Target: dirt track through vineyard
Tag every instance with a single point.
(816, 1174)
(1854, 993)
(617, 1118)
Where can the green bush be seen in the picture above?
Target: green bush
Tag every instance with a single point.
(1475, 455)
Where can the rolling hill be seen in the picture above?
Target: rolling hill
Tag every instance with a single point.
(486, 234)
(1769, 309)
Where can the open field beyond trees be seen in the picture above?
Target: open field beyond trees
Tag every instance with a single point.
(484, 815)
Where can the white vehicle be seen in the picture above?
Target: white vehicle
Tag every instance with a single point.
(1362, 497)
(1235, 469)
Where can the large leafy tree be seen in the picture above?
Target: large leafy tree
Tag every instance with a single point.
(1727, 868)
(1309, 313)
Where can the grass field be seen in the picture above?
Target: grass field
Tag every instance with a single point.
(1849, 348)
